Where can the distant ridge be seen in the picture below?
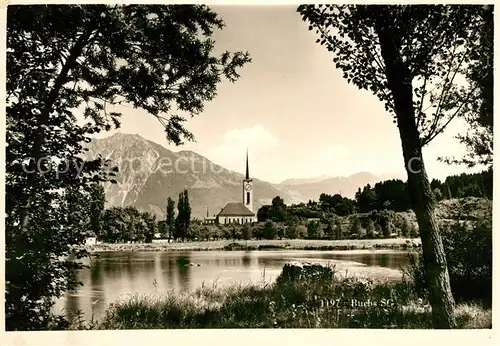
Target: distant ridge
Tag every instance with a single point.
(141, 182)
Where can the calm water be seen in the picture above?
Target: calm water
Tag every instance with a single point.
(113, 275)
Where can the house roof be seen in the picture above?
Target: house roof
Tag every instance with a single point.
(235, 209)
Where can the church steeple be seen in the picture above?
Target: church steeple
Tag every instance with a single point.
(247, 177)
(248, 189)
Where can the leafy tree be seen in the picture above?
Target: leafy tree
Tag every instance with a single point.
(235, 232)
(183, 216)
(92, 58)
(366, 199)
(96, 208)
(370, 230)
(395, 192)
(470, 185)
(246, 232)
(163, 228)
(270, 230)
(264, 213)
(170, 217)
(330, 231)
(411, 58)
(205, 233)
(355, 227)
(338, 230)
(405, 228)
(278, 211)
(378, 230)
(113, 231)
(281, 232)
(135, 225)
(438, 195)
(312, 230)
(447, 191)
(194, 231)
(150, 227)
(291, 231)
(479, 111)
(301, 231)
(337, 204)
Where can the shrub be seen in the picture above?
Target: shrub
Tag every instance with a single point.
(469, 258)
(291, 231)
(246, 232)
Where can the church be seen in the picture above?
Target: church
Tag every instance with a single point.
(239, 212)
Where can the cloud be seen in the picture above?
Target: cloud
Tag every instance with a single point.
(254, 137)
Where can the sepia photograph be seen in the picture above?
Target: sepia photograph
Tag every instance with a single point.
(201, 166)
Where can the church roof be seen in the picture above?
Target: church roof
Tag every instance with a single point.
(235, 209)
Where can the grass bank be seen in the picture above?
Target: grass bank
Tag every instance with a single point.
(285, 244)
(319, 298)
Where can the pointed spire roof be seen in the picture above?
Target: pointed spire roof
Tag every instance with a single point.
(248, 174)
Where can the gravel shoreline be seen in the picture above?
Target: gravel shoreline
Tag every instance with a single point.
(295, 244)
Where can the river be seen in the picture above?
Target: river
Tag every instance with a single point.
(113, 275)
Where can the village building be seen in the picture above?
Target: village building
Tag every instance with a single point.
(210, 220)
(238, 212)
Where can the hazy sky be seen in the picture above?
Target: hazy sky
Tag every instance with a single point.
(291, 107)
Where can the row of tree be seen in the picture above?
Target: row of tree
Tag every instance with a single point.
(394, 194)
(464, 185)
(386, 195)
(383, 224)
(128, 224)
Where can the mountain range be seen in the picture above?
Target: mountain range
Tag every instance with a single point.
(150, 173)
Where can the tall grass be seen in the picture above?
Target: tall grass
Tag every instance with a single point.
(322, 298)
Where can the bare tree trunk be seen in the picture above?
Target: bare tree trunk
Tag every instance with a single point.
(422, 200)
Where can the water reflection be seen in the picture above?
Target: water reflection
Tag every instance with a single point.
(184, 271)
(384, 261)
(118, 274)
(170, 271)
(246, 259)
(96, 287)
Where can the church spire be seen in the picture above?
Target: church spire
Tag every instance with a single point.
(248, 174)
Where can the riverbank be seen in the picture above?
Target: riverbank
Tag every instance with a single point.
(315, 298)
(285, 244)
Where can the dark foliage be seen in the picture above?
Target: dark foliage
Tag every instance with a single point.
(128, 224)
(93, 58)
(469, 257)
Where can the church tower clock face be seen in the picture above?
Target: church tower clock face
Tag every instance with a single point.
(248, 187)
